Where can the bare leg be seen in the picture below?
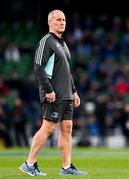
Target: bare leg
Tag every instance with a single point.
(39, 140)
(65, 141)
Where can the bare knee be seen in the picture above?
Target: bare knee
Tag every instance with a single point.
(66, 130)
(50, 130)
(47, 127)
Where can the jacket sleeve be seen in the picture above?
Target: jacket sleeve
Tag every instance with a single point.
(42, 55)
(42, 78)
(73, 85)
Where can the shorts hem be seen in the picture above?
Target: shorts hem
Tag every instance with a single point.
(49, 119)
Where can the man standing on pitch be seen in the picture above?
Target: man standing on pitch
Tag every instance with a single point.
(58, 96)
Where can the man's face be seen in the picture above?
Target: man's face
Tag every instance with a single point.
(58, 22)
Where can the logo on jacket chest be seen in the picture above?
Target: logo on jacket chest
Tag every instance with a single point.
(58, 46)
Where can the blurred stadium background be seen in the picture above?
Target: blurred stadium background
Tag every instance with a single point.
(98, 37)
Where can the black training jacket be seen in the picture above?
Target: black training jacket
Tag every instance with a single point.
(52, 68)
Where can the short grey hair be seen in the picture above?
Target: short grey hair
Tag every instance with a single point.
(52, 13)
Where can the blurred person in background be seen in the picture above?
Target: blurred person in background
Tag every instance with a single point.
(19, 123)
(4, 90)
(12, 53)
(4, 128)
(125, 123)
(58, 96)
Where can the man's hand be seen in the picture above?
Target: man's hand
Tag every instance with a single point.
(76, 100)
(51, 97)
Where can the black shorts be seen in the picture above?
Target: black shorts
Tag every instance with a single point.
(58, 110)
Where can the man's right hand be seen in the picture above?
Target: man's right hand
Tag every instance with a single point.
(51, 97)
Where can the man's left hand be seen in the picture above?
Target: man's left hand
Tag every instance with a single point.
(76, 100)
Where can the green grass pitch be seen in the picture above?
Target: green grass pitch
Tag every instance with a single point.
(100, 163)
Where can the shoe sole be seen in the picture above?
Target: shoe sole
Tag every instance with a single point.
(74, 174)
(21, 169)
